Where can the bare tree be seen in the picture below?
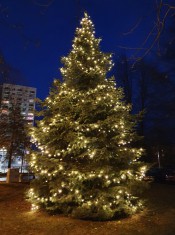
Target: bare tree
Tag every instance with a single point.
(123, 76)
(13, 132)
(164, 12)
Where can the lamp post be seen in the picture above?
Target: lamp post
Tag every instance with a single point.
(158, 158)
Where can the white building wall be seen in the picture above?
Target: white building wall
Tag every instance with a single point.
(21, 95)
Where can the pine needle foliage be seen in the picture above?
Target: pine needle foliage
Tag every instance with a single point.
(86, 165)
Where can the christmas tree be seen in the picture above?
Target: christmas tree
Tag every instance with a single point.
(86, 163)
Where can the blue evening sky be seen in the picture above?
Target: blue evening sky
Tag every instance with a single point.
(47, 33)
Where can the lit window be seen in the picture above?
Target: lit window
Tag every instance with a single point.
(5, 101)
(29, 118)
(5, 111)
(30, 114)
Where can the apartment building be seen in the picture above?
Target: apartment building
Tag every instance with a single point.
(22, 96)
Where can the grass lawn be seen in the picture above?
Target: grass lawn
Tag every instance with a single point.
(17, 219)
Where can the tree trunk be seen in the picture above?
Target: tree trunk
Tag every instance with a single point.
(10, 155)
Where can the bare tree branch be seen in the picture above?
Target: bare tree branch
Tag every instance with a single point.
(134, 27)
(163, 12)
(132, 48)
(42, 3)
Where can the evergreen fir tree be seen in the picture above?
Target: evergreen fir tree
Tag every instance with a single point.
(86, 164)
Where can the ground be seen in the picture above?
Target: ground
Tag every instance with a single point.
(17, 219)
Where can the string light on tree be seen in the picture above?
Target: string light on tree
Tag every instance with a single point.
(85, 164)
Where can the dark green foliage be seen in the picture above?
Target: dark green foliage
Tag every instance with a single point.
(86, 163)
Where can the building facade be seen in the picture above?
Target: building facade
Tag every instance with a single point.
(23, 97)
